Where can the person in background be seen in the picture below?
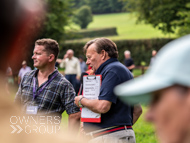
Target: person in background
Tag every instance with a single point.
(72, 69)
(83, 65)
(116, 117)
(154, 52)
(89, 70)
(23, 71)
(9, 79)
(128, 62)
(165, 87)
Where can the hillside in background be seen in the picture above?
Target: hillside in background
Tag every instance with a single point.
(126, 25)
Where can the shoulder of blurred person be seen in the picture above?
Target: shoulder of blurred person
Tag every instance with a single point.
(165, 87)
(16, 19)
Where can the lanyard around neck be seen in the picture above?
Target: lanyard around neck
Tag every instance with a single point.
(41, 89)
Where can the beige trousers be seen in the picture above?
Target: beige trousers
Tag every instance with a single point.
(124, 136)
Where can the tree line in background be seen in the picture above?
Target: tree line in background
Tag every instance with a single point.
(101, 6)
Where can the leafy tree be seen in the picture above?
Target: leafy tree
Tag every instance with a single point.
(57, 17)
(83, 16)
(185, 21)
(167, 15)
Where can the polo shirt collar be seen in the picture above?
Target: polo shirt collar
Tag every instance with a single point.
(111, 60)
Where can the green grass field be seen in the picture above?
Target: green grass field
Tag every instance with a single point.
(126, 26)
(144, 131)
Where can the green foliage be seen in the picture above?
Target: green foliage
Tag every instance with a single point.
(143, 63)
(137, 72)
(64, 121)
(163, 14)
(79, 3)
(83, 16)
(101, 6)
(185, 21)
(106, 6)
(56, 18)
(98, 32)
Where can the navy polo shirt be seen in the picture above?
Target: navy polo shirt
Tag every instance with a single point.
(128, 63)
(113, 73)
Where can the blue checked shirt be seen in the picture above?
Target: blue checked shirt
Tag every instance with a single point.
(55, 98)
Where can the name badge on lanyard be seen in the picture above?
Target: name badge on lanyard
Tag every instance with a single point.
(30, 109)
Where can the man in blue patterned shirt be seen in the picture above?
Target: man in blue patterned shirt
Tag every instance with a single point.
(45, 91)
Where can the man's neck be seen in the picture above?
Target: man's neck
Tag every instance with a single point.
(70, 58)
(44, 73)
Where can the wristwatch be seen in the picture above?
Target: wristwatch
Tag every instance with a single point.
(80, 104)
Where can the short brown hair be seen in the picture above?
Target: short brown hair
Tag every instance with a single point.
(104, 44)
(51, 46)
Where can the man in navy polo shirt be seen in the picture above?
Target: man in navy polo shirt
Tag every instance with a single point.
(128, 62)
(116, 118)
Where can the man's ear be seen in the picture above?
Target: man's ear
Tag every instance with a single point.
(104, 54)
(51, 57)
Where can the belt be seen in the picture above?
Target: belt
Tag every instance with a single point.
(108, 130)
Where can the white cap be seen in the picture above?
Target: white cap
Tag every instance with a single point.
(172, 66)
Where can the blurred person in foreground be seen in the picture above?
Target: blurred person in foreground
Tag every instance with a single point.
(166, 88)
(23, 71)
(116, 117)
(45, 91)
(16, 19)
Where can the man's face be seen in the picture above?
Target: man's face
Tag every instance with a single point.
(40, 57)
(24, 66)
(93, 58)
(127, 55)
(153, 53)
(81, 60)
(168, 113)
(69, 54)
